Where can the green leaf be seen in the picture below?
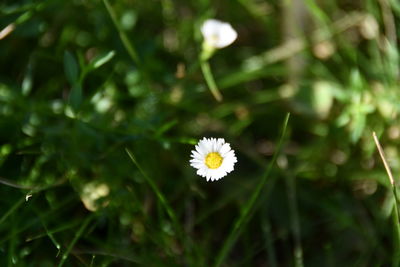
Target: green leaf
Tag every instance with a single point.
(102, 59)
(322, 98)
(357, 126)
(356, 81)
(71, 68)
(395, 6)
(75, 97)
(392, 60)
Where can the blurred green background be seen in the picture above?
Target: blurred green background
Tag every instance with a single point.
(84, 81)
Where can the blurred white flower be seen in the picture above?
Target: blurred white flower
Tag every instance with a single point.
(93, 191)
(213, 158)
(217, 34)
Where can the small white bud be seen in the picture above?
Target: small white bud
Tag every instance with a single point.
(217, 34)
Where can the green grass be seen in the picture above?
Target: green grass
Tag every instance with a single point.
(246, 213)
(106, 99)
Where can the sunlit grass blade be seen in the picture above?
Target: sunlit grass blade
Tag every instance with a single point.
(78, 234)
(248, 207)
(51, 232)
(396, 254)
(205, 67)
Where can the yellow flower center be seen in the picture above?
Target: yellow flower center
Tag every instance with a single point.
(213, 160)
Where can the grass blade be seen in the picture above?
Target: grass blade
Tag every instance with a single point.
(124, 38)
(74, 240)
(270, 250)
(154, 187)
(245, 215)
(396, 255)
(295, 221)
(178, 228)
(12, 210)
(48, 232)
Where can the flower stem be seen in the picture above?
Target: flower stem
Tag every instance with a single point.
(205, 67)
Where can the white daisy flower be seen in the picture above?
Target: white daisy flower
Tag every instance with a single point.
(217, 34)
(213, 158)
